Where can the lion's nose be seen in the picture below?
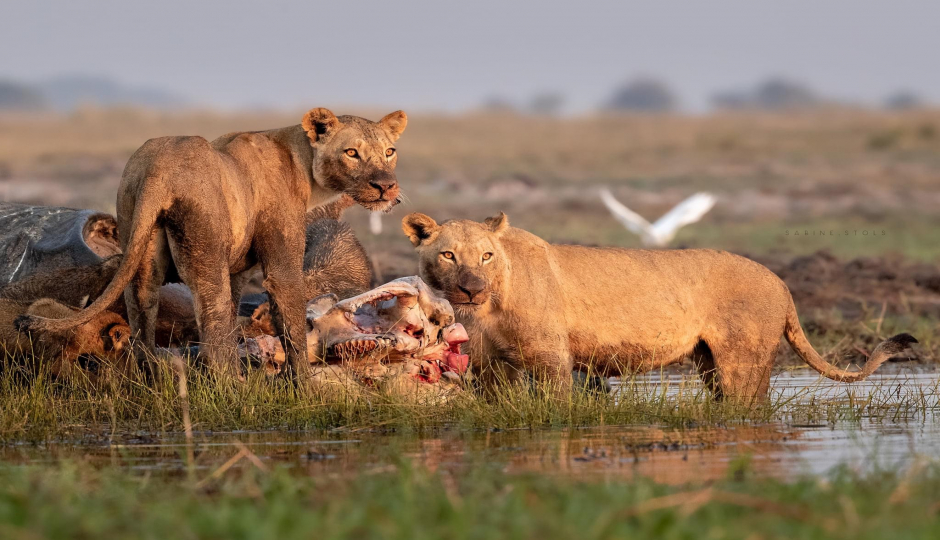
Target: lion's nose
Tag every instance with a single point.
(471, 286)
(384, 185)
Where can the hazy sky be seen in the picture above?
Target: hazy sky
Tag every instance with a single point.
(451, 55)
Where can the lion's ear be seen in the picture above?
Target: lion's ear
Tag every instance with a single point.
(419, 227)
(395, 123)
(497, 224)
(320, 122)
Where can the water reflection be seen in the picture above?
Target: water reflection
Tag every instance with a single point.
(666, 455)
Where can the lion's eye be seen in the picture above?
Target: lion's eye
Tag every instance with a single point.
(390, 152)
(487, 256)
(351, 152)
(448, 255)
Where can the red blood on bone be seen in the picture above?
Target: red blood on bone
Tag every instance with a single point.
(428, 372)
(455, 334)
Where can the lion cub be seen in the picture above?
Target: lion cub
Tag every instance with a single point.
(105, 337)
(547, 309)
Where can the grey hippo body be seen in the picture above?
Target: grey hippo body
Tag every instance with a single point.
(40, 238)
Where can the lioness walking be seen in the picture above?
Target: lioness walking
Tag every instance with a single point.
(210, 212)
(532, 306)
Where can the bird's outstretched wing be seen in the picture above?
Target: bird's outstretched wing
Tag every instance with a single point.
(630, 219)
(686, 212)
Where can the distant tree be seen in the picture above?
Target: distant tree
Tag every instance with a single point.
(17, 96)
(546, 103)
(772, 94)
(784, 94)
(643, 94)
(903, 100)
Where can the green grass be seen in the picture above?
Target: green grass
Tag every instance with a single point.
(77, 500)
(42, 409)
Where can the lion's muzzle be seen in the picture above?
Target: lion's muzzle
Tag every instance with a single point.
(387, 186)
(470, 289)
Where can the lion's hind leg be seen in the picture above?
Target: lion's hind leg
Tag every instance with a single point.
(143, 294)
(741, 371)
(704, 362)
(205, 271)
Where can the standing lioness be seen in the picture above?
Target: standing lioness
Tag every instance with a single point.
(548, 309)
(210, 212)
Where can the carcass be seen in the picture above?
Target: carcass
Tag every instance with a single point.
(400, 337)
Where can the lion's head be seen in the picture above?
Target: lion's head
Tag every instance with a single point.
(106, 337)
(463, 259)
(356, 156)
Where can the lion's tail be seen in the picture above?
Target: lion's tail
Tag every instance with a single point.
(885, 350)
(142, 225)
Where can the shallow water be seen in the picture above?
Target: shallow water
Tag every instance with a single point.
(779, 449)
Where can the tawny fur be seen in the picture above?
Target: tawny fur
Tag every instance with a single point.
(547, 309)
(332, 210)
(212, 211)
(258, 323)
(105, 336)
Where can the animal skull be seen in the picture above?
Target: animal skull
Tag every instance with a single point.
(403, 321)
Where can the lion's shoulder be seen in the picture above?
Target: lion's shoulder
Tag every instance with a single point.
(237, 136)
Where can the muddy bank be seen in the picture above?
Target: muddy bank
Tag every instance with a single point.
(855, 287)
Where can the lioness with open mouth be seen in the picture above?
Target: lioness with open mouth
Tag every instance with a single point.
(531, 306)
(210, 212)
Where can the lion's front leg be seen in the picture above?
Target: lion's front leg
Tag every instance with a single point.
(552, 369)
(492, 368)
(283, 279)
(546, 360)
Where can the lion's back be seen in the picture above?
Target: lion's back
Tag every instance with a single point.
(616, 288)
(165, 155)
